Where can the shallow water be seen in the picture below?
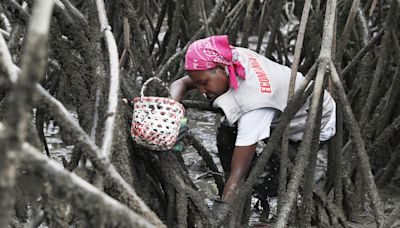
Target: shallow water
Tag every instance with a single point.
(203, 125)
(57, 147)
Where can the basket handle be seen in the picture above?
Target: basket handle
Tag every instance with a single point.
(144, 87)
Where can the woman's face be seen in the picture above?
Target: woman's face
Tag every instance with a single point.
(212, 83)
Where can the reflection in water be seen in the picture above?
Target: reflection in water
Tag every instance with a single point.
(56, 146)
(202, 125)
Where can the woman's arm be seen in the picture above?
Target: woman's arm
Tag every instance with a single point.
(240, 167)
(180, 87)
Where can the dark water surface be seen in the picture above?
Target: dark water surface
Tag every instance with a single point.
(203, 125)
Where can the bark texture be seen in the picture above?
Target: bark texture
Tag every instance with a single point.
(90, 58)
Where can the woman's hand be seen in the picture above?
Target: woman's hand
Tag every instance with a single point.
(240, 167)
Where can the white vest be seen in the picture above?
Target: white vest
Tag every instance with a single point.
(266, 85)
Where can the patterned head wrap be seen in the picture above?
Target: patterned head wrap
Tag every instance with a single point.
(207, 53)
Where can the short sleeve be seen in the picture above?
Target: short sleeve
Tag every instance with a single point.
(254, 126)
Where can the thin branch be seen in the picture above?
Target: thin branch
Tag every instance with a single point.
(208, 161)
(389, 171)
(138, 39)
(114, 80)
(390, 21)
(157, 29)
(362, 52)
(162, 71)
(356, 138)
(127, 52)
(204, 16)
(394, 91)
(309, 172)
(93, 130)
(373, 5)
(247, 27)
(5, 34)
(231, 17)
(7, 67)
(387, 134)
(292, 85)
(346, 31)
(275, 27)
(75, 12)
(19, 8)
(299, 46)
(175, 29)
(261, 26)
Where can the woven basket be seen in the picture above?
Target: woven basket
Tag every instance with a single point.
(155, 122)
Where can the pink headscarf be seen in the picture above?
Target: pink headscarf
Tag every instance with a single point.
(206, 53)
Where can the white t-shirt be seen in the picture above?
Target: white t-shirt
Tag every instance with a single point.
(255, 125)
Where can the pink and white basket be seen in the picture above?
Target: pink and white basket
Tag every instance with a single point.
(155, 122)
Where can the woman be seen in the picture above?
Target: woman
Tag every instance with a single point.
(252, 91)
